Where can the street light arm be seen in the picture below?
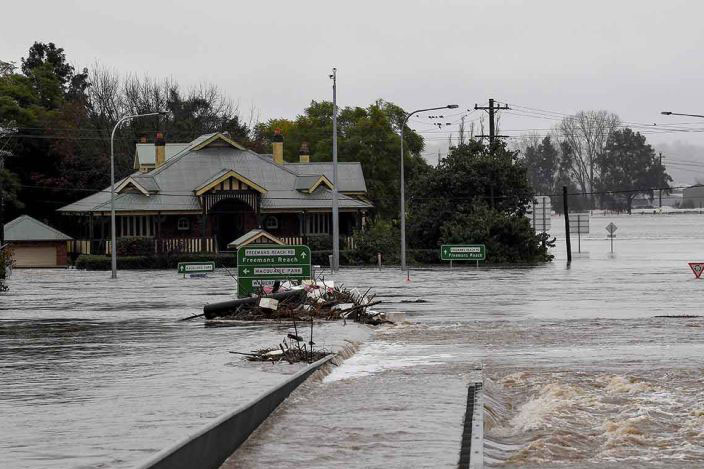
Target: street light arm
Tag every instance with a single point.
(669, 113)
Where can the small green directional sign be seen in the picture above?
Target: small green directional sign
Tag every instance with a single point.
(263, 264)
(196, 267)
(463, 252)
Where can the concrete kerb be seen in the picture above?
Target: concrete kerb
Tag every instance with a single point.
(210, 446)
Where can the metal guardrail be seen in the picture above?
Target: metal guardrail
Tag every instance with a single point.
(210, 446)
(472, 447)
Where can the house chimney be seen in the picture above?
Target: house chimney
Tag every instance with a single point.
(304, 153)
(278, 147)
(160, 149)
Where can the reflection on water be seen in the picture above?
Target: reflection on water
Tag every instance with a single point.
(579, 371)
(98, 373)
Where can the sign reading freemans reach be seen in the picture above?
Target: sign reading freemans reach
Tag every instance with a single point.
(462, 252)
(263, 264)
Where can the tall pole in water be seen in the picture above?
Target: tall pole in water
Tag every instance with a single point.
(2, 201)
(113, 240)
(660, 195)
(335, 208)
(567, 224)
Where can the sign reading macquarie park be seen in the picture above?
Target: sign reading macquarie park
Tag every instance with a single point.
(462, 252)
(263, 264)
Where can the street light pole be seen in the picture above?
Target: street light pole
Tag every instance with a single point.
(335, 202)
(403, 190)
(113, 247)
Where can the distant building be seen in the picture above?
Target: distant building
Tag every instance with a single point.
(203, 195)
(35, 244)
(693, 197)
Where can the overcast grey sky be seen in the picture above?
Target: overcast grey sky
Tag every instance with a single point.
(634, 58)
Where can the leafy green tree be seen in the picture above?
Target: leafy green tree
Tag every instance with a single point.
(629, 167)
(508, 238)
(369, 135)
(477, 194)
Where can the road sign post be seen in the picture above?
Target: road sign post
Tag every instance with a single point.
(463, 252)
(611, 229)
(539, 212)
(197, 268)
(697, 268)
(579, 223)
(264, 264)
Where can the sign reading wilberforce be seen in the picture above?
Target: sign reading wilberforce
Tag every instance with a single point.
(462, 252)
(263, 264)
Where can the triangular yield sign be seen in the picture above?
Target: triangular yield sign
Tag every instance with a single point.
(697, 268)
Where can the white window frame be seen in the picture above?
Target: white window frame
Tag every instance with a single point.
(271, 226)
(183, 224)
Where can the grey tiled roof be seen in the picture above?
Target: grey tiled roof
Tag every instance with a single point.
(304, 182)
(26, 228)
(350, 175)
(174, 182)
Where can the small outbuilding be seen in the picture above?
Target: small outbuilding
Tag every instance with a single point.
(35, 244)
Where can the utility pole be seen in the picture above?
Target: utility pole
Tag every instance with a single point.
(566, 209)
(660, 196)
(492, 119)
(335, 208)
(2, 201)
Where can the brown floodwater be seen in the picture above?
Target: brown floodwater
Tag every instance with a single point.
(579, 370)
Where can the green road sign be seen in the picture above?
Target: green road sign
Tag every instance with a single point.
(195, 267)
(463, 252)
(263, 264)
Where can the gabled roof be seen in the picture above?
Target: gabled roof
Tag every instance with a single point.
(143, 183)
(349, 174)
(253, 236)
(26, 228)
(224, 175)
(310, 183)
(212, 159)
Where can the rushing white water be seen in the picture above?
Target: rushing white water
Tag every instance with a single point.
(579, 371)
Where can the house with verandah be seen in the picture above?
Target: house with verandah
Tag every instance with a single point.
(202, 195)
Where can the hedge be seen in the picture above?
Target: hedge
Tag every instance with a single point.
(92, 262)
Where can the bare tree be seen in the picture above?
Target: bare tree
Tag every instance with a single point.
(586, 134)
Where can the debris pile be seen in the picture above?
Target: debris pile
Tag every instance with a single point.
(306, 301)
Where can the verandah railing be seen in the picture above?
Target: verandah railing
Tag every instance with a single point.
(178, 245)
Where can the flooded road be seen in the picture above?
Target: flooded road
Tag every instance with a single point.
(99, 373)
(579, 371)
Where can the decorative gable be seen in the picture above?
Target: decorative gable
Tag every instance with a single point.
(220, 140)
(229, 180)
(141, 184)
(309, 184)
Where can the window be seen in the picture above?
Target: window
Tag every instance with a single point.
(319, 223)
(271, 223)
(184, 224)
